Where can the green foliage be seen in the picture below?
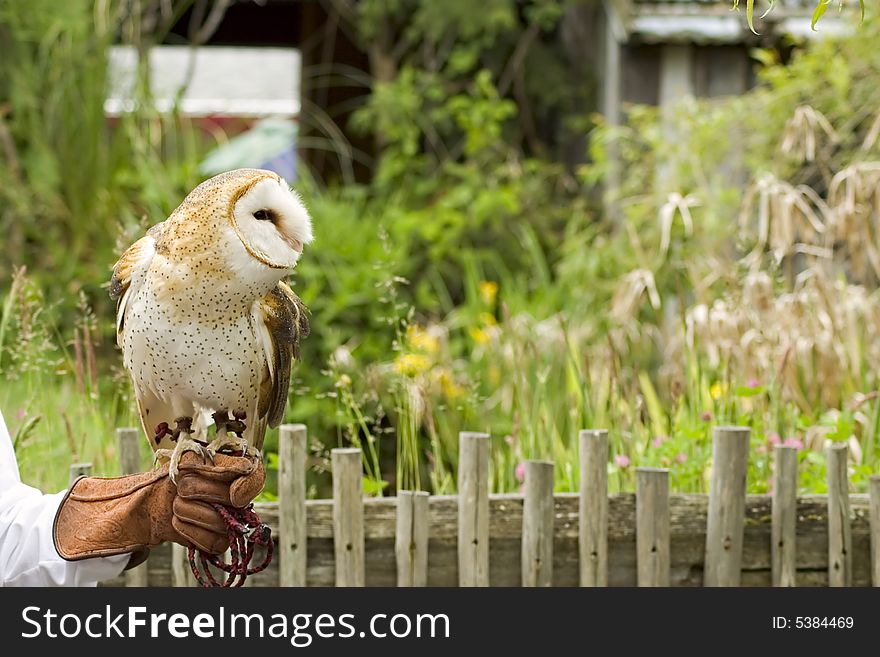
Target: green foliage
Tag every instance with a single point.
(588, 324)
(475, 283)
(69, 183)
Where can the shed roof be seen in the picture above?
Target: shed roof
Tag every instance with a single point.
(714, 22)
(210, 80)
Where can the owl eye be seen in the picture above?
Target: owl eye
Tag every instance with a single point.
(263, 215)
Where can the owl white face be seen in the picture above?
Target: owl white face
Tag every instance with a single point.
(273, 223)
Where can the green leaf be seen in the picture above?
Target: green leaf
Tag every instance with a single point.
(374, 486)
(819, 12)
(747, 391)
(652, 401)
(750, 9)
(25, 431)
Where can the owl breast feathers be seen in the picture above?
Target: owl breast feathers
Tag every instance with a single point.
(205, 322)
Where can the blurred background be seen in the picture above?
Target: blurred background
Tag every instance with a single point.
(531, 217)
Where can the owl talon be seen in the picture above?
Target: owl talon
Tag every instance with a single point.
(225, 426)
(224, 441)
(161, 454)
(186, 445)
(180, 435)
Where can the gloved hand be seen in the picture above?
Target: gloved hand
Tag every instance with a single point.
(231, 481)
(104, 517)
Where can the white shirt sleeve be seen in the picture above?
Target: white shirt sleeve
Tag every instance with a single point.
(27, 549)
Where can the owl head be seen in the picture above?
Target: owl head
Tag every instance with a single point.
(256, 208)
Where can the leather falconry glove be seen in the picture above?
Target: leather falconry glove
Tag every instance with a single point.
(105, 517)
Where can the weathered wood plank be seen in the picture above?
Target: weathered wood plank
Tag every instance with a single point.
(784, 525)
(537, 532)
(593, 514)
(727, 492)
(875, 529)
(687, 515)
(348, 516)
(839, 531)
(411, 538)
(78, 470)
(129, 444)
(292, 447)
(652, 526)
(181, 572)
(473, 509)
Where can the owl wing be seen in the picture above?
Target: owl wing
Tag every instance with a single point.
(282, 321)
(128, 269)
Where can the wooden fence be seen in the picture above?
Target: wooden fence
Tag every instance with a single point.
(589, 538)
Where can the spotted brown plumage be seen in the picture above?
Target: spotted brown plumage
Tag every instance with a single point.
(204, 319)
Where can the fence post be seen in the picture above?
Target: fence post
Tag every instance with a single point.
(537, 531)
(181, 573)
(839, 531)
(784, 527)
(727, 500)
(593, 511)
(411, 538)
(129, 442)
(875, 530)
(652, 526)
(78, 470)
(348, 516)
(292, 447)
(473, 509)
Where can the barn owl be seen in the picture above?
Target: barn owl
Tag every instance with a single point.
(205, 322)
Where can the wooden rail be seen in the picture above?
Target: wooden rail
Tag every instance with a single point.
(652, 538)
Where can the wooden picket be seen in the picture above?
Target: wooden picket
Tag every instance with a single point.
(590, 538)
(652, 526)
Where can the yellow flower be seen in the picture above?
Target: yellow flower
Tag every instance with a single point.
(450, 388)
(411, 364)
(419, 339)
(717, 390)
(479, 335)
(488, 292)
(344, 381)
(488, 319)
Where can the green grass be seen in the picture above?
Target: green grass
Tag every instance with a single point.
(54, 426)
(532, 384)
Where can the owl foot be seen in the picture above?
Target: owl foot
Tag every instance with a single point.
(230, 443)
(225, 426)
(183, 445)
(182, 425)
(181, 435)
